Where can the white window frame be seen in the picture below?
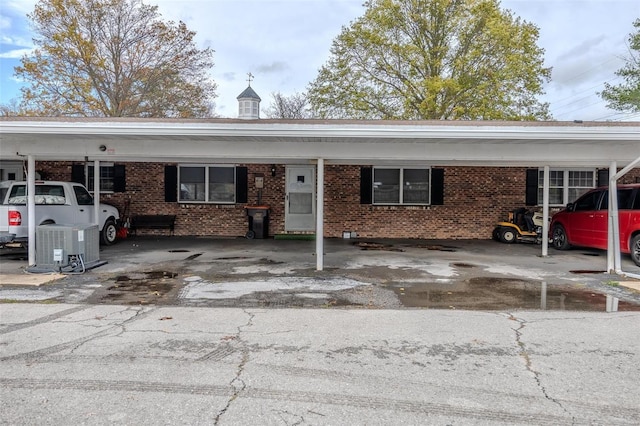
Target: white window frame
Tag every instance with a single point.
(401, 183)
(207, 168)
(90, 185)
(565, 184)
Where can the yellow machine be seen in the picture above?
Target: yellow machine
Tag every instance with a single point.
(522, 225)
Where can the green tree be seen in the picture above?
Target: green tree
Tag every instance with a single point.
(113, 58)
(433, 59)
(625, 97)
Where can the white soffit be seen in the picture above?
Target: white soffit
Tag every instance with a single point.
(347, 142)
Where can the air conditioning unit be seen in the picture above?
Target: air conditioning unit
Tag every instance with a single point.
(67, 248)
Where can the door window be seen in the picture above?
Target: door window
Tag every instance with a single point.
(588, 202)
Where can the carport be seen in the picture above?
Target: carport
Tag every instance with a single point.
(315, 142)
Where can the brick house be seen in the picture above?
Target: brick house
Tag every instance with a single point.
(465, 203)
(385, 179)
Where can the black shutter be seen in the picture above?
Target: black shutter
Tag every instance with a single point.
(366, 185)
(77, 174)
(119, 179)
(531, 196)
(437, 187)
(242, 185)
(603, 177)
(170, 184)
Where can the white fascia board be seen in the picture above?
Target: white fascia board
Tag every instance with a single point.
(325, 131)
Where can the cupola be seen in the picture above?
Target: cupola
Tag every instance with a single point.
(249, 103)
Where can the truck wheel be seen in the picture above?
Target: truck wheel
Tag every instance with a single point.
(507, 235)
(109, 233)
(635, 249)
(559, 238)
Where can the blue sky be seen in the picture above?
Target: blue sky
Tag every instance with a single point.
(283, 43)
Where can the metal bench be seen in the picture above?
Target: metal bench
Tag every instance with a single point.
(152, 221)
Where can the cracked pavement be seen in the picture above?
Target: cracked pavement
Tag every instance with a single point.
(208, 347)
(111, 364)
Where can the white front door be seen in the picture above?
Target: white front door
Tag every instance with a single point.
(300, 207)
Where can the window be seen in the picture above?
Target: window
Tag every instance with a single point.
(401, 186)
(624, 199)
(82, 196)
(112, 176)
(44, 194)
(107, 176)
(588, 202)
(207, 184)
(566, 186)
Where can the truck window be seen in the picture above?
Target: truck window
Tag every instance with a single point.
(18, 195)
(83, 196)
(636, 200)
(624, 200)
(45, 194)
(588, 202)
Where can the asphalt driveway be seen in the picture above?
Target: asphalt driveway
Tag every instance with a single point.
(235, 272)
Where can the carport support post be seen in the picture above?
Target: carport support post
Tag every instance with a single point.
(320, 215)
(96, 192)
(31, 208)
(613, 183)
(613, 197)
(545, 212)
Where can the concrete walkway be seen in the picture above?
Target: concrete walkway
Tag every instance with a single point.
(99, 365)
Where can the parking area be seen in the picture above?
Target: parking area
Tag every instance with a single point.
(236, 272)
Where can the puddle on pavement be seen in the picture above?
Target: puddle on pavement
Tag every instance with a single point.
(145, 288)
(463, 265)
(487, 294)
(369, 245)
(193, 256)
(366, 245)
(437, 247)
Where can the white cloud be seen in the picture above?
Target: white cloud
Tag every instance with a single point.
(5, 23)
(19, 6)
(15, 54)
(274, 67)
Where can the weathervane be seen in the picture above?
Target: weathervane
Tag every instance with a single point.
(250, 78)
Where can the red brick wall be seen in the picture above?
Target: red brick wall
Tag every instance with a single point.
(475, 198)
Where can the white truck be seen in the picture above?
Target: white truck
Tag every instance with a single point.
(56, 202)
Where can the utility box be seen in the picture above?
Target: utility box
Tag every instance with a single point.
(258, 221)
(70, 248)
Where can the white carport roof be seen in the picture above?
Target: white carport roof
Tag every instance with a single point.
(560, 144)
(471, 143)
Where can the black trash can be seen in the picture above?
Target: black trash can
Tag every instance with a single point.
(258, 221)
